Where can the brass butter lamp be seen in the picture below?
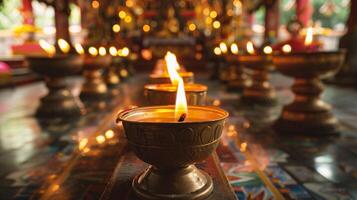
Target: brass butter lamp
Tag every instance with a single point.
(260, 91)
(55, 66)
(308, 114)
(172, 139)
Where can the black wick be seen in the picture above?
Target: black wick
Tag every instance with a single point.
(182, 117)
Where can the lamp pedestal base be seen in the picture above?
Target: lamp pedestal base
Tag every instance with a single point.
(179, 184)
(59, 102)
(308, 114)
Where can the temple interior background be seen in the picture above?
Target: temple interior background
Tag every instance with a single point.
(178, 99)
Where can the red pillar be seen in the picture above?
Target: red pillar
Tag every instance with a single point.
(304, 11)
(27, 12)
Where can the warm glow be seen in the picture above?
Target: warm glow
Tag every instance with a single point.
(250, 47)
(128, 19)
(79, 49)
(95, 4)
(223, 47)
(286, 48)
(208, 20)
(146, 54)
(243, 147)
(49, 48)
(82, 143)
(123, 73)
(268, 50)
(93, 51)
(102, 51)
(122, 14)
(192, 27)
(213, 14)
(309, 36)
(63, 45)
(172, 67)
(113, 51)
(125, 51)
(109, 134)
(181, 103)
(206, 11)
(216, 24)
(234, 48)
(217, 51)
(100, 139)
(116, 28)
(146, 28)
(129, 3)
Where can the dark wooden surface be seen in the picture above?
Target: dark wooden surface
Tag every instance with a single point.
(41, 159)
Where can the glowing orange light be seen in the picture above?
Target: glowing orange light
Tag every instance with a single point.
(192, 27)
(116, 28)
(286, 48)
(243, 147)
(122, 14)
(217, 51)
(109, 134)
(125, 51)
(146, 28)
(309, 36)
(250, 47)
(234, 48)
(49, 49)
(172, 66)
(102, 51)
(223, 47)
(216, 102)
(113, 51)
(93, 51)
(100, 139)
(79, 48)
(268, 50)
(82, 143)
(216, 24)
(95, 4)
(213, 14)
(63, 45)
(181, 103)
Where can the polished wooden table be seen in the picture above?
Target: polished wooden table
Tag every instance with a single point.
(43, 159)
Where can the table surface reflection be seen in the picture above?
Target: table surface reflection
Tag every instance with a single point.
(67, 160)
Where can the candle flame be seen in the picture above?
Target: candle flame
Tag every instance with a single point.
(49, 48)
(250, 47)
(268, 50)
(102, 51)
(234, 48)
(93, 51)
(286, 48)
(125, 51)
(309, 36)
(217, 51)
(181, 103)
(113, 51)
(223, 47)
(63, 45)
(79, 49)
(172, 66)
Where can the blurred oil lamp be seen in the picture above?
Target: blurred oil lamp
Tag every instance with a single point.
(164, 77)
(111, 77)
(259, 91)
(172, 139)
(55, 66)
(95, 61)
(308, 114)
(240, 80)
(165, 94)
